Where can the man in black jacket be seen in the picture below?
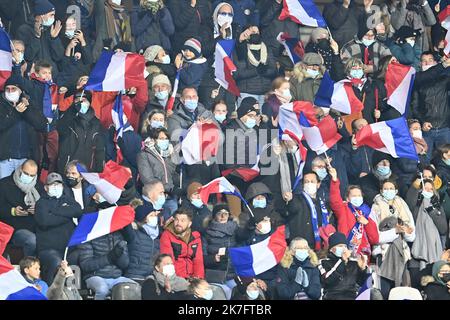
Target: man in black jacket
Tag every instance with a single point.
(78, 188)
(341, 277)
(430, 101)
(81, 135)
(54, 224)
(19, 123)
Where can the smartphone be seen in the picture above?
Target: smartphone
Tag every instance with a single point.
(222, 251)
(26, 207)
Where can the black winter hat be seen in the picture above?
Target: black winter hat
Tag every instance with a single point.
(87, 94)
(42, 7)
(246, 106)
(362, 28)
(219, 207)
(406, 32)
(14, 80)
(337, 238)
(378, 156)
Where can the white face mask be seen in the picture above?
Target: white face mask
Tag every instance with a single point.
(221, 20)
(310, 188)
(168, 270)
(411, 42)
(117, 2)
(417, 134)
(425, 68)
(287, 94)
(367, 42)
(152, 221)
(12, 96)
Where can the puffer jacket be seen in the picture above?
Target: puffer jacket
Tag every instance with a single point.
(142, 252)
(152, 165)
(94, 261)
(430, 99)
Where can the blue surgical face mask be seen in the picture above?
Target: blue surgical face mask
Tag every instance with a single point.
(322, 173)
(367, 42)
(162, 95)
(20, 57)
(152, 221)
(357, 201)
(220, 117)
(312, 73)
(70, 33)
(252, 294)
(159, 202)
(49, 22)
(427, 195)
(162, 144)
(383, 170)
(198, 203)
(55, 191)
(301, 254)
(250, 123)
(339, 251)
(389, 194)
(447, 161)
(259, 203)
(166, 59)
(208, 294)
(156, 124)
(26, 179)
(356, 73)
(84, 107)
(191, 105)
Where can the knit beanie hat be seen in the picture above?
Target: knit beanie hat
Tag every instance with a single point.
(193, 45)
(312, 58)
(42, 7)
(246, 106)
(318, 33)
(160, 79)
(14, 80)
(378, 156)
(193, 188)
(337, 238)
(219, 207)
(151, 52)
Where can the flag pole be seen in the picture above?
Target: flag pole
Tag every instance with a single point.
(328, 159)
(65, 253)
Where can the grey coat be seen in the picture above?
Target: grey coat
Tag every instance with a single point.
(181, 120)
(63, 288)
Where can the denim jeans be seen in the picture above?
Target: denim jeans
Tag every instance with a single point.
(435, 138)
(103, 286)
(26, 240)
(9, 165)
(170, 206)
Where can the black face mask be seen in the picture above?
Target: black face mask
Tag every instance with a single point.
(446, 277)
(71, 182)
(323, 44)
(255, 39)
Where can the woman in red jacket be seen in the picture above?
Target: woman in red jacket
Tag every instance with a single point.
(353, 217)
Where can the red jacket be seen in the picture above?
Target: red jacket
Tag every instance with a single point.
(346, 219)
(187, 257)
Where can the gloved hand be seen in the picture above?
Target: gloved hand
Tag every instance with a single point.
(116, 252)
(261, 68)
(302, 277)
(107, 43)
(251, 223)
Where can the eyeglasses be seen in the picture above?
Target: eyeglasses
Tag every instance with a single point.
(224, 14)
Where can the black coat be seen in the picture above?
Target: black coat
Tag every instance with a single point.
(81, 137)
(218, 235)
(344, 282)
(201, 216)
(54, 224)
(88, 191)
(10, 197)
(436, 291)
(18, 131)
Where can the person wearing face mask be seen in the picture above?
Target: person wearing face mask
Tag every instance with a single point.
(321, 43)
(381, 170)
(20, 122)
(249, 289)
(78, 188)
(152, 24)
(365, 47)
(54, 216)
(199, 289)
(157, 61)
(192, 63)
(298, 277)
(437, 286)
(431, 230)
(154, 120)
(319, 166)
(404, 46)
(341, 277)
(353, 217)
(41, 36)
(200, 212)
(154, 162)
(396, 228)
(162, 89)
(442, 162)
(164, 283)
(279, 95)
(255, 65)
(81, 135)
(307, 215)
(19, 193)
(144, 247)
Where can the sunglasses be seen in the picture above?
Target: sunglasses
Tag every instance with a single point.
(224, 14)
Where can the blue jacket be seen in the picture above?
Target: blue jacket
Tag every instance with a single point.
(142, 252)
(406, 54)
(191, 75)
(149, 29)
(287, 287)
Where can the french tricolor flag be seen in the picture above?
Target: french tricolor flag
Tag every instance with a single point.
(399, 84)
(337, 95)
(293, 47)
(110, 182)
(390, 137)
(201, 143)
(444, 19)
(302, 12)
(5, 57)
(224, 66)
(116, 72)
(171, 101)
(252, 260)
(12, 285)
(218, 185)
(97, 224)
(322, 137)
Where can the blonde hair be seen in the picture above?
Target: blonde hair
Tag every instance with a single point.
(289, 254)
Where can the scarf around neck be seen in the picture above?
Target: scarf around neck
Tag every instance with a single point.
(31, 194)
(263, 54)
(50, 100)
(356, 234)
(314, 218)
(117, 22)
